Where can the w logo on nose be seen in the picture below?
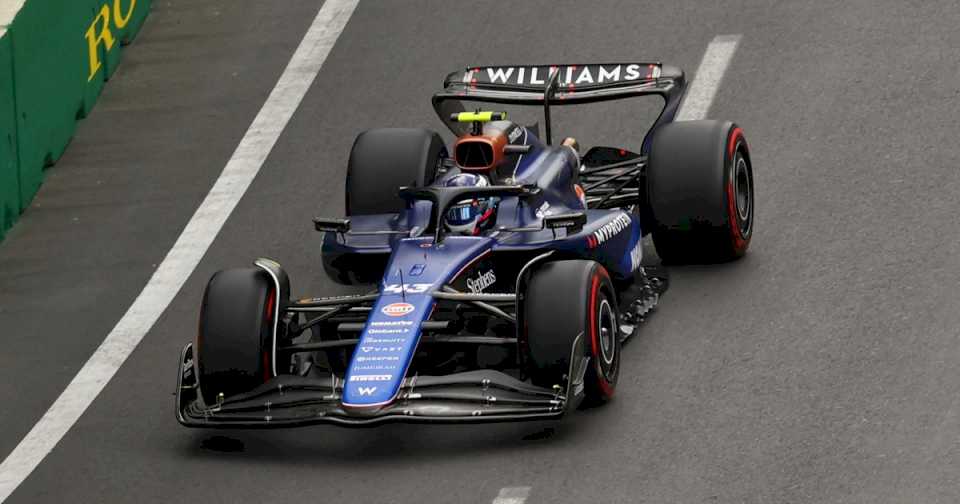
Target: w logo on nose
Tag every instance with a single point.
(366, 391)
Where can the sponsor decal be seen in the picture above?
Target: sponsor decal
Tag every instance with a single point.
(407, 288)
(377, 358)
(371, 377)
(417, 269)
(608, 230)
(479, 284)
(393, 341)
(391, 323)
(368, 349)
(371, 367)
(111, 14)
(387, 331)
(397, 309)
(515, 134)
(543, 210)
(636, 255)
(569, 75)
(366, 391)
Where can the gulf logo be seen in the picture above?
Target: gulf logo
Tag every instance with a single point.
(397, 309)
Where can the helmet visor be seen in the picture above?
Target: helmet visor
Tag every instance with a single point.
(463, 213)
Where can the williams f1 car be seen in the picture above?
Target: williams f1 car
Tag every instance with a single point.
(504, 272)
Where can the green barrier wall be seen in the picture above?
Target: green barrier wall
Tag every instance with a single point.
(61, 52)
(9, 174)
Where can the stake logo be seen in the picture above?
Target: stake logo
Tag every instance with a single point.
(397, 309)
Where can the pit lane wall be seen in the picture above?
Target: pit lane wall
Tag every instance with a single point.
(55, 57)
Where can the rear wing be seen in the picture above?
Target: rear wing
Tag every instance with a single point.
(560, 85)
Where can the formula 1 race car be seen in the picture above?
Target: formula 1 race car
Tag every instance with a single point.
(507, 275)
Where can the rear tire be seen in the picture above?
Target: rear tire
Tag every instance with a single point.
(700, 189)
(234, 344)
(565, 299)
(383, 160)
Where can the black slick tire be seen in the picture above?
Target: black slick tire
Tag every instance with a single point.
(700, 192)
(564, 300)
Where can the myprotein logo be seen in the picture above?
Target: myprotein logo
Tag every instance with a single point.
(397, 309)
(479, 284)
(569, 75)
(608, 230)
(111, 15)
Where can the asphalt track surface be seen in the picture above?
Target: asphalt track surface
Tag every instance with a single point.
(821, 368)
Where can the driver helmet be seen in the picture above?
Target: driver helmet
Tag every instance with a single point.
(470, 216)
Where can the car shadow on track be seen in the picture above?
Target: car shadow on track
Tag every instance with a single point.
(388, 444)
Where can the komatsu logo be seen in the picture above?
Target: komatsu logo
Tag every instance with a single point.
(568, 74)
(608, 230)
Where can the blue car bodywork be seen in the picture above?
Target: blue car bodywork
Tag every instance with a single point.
(554, 204)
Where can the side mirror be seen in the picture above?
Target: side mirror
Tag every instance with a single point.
(339, 226)
(572, 222)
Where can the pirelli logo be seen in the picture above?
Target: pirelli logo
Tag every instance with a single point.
(115, 14)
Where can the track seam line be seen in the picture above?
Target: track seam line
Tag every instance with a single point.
(512, 495)
(189, 249)
(703, 89)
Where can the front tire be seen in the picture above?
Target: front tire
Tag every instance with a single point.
(234, 344)
(564, 300)
(700, 192)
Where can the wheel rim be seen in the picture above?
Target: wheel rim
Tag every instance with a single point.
(607, 333)
(743, 194)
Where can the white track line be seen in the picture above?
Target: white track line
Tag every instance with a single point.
(714, 64)
(512, 495)
(190, 247)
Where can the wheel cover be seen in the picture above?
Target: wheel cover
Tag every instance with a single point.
(743, 194)
(607, 327)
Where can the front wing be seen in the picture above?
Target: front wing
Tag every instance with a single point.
(290, 401)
